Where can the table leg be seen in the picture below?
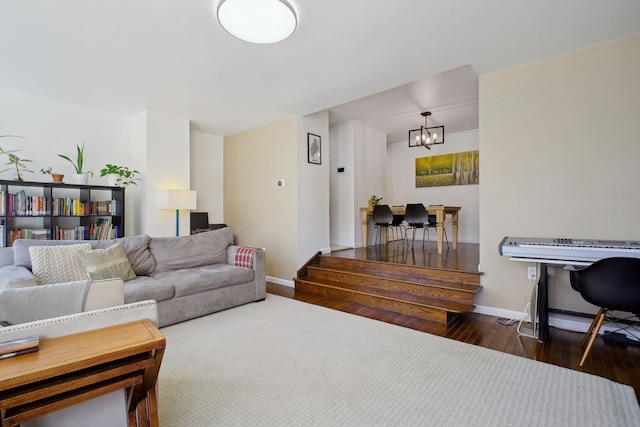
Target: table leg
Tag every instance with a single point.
(454, 230)
(365, 228)
(440, 228)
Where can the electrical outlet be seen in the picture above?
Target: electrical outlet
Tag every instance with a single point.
(532, 273)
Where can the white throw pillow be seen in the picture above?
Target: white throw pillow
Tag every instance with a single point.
(58, 264)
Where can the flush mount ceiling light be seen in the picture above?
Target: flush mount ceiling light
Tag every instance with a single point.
(426, 136)
(257, 21)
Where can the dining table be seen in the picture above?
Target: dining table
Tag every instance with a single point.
(440, 211)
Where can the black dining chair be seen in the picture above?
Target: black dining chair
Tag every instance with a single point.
(416, 217)
(398, 226)
(433, 223)
(611, 284)
(382, 217)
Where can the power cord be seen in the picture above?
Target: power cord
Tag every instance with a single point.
(510, 322)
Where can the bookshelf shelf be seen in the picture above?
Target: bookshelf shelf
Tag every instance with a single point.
(58, 211)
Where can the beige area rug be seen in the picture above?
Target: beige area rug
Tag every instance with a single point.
(286, 363)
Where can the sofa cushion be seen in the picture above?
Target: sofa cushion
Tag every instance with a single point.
(144, 287)
(174, 253)
(21, 249)
(200, 279)
(137, 250)
(57, 264)
(110, 263)
(13, 276)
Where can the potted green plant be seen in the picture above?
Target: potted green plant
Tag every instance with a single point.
(16, 162)
(57, 177)
(374, 200)
(121, 176)
(80, 177)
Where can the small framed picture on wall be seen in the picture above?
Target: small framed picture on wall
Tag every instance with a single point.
(314, 149)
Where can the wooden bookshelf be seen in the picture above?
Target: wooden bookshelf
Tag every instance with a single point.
(59, 211)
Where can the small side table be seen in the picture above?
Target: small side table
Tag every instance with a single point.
(75, 368)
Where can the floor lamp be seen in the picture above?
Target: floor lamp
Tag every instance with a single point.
(177, 199)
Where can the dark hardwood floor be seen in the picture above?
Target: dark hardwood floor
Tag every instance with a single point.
(613, 360)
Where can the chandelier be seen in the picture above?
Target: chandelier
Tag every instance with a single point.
(426, 136)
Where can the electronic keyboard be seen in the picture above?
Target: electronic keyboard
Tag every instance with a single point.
(563, 249)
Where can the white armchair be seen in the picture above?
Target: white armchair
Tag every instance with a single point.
(36, 302)
(105, 411)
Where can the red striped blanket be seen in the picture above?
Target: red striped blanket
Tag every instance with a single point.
(244, 257)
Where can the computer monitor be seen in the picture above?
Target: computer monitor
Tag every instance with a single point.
(199, 221)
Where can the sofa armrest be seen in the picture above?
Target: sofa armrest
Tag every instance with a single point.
(81, 322)
(13, 276)
(258, 262)
(27, 304)
(6, 256)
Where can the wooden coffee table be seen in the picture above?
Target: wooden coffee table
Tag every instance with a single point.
(75, 368)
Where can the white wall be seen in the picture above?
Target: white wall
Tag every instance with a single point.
(49, 127)
(362, 151)
(559, 158)
(207, 174)
(313, 189)
(401, 182)
(342, 203)
(370, 166)
(167, 167)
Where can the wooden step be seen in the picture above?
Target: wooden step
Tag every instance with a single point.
(380, 285)
(390, 293)
(431, 294)
(430, 313)
(402, 271)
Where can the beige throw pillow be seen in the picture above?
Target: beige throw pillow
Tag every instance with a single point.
(110, 263)
(58, 264)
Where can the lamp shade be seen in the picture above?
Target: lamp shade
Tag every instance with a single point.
(176, 199)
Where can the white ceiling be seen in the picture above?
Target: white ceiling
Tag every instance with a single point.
(172, 56)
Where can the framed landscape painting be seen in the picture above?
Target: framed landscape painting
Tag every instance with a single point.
(448, 169)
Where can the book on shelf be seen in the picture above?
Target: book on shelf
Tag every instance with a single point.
(19, 204)
(29, 233)
(105, 207)
(76, 233)
(103, 229)
(66, 206)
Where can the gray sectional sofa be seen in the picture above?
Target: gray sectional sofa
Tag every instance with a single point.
(188, 276)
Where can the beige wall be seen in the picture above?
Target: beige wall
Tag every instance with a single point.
(260, 213)
(560, 152)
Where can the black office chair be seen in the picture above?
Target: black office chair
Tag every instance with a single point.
(416, 217)
(382, 218)
(611, 284)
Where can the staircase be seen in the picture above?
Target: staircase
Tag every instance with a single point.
(432, 294)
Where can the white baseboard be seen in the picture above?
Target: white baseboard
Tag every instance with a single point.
(499, 312)
(566, 322)
(282, 282)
